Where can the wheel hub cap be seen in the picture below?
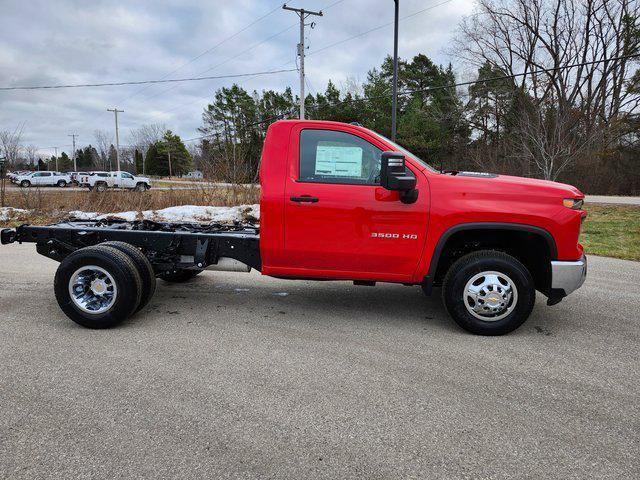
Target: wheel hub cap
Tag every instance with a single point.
(92, 289)
(490, 296)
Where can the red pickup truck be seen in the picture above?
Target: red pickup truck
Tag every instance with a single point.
(341, 202)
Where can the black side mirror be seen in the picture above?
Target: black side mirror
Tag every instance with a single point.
(394, 176)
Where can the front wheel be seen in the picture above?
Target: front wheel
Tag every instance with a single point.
(141, 187)
(101, 187)
(62, 183)
(489, 292)
(25, 183)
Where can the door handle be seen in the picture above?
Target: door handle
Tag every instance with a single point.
(304, 199)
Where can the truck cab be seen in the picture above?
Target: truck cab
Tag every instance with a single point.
(329, 211)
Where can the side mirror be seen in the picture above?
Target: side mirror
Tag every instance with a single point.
(394, 176)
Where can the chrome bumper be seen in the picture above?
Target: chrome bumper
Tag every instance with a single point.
(568, 276)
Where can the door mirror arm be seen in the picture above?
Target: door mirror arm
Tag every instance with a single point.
(394, 176)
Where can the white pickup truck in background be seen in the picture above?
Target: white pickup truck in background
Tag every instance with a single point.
(101, 181)
(42, 179)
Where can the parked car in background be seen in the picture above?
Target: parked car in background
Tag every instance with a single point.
(75, 176)
(13, 175)
(101, 181)
(43, 179)
(197, 174)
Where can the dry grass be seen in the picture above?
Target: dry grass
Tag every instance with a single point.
(49, 206)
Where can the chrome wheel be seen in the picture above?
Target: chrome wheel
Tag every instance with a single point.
(490, 296)
(92, 289)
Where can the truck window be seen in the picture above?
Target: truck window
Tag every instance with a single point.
(328, 156)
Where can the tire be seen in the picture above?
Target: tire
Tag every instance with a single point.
(123, 274)
(506, 294)
(145, 270)
(61, 184)
(101, 187)
(25, 183)
(179, 276)
(141, 187)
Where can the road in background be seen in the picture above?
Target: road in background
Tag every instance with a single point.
(612, 199)
(242, 376)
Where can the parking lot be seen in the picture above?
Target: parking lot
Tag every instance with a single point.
(236, 376)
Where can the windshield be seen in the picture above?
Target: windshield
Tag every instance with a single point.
(408, 153)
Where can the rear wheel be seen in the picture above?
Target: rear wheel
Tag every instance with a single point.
(489, 293)
(147, 275)
(179, 275)
(98, 287)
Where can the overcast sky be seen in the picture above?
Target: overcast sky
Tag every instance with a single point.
(45, 42)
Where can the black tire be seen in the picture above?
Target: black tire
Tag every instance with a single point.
(101, 187)
(61, 184)
(465, 268)
(141, 187)
(179, 276)
(125, 276)
(147, 275)
(25, 183)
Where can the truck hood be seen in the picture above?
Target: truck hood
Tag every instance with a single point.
(511, 184)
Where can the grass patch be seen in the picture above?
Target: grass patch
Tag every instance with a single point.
(612, 231)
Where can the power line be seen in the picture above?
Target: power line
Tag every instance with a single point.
(361, 34)
(181, 106)
(209, 50)
(141, 82)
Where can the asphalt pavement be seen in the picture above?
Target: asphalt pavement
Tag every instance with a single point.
(243, 376)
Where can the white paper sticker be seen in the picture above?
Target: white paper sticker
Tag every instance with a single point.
(337, 161)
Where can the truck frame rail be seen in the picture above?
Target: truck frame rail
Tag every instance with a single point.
(168, 246)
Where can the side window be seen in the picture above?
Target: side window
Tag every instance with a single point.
(329, 156)
(127, 175)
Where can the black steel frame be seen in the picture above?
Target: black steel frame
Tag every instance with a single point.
(168, 246)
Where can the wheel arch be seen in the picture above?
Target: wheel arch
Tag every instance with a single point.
(525, 242)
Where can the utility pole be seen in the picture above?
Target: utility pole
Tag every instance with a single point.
(394, 104)
(56, 150)
(74, 135)
(169, 155)
(303, 14)
(115, 112)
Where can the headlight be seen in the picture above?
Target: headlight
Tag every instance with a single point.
(573, 203)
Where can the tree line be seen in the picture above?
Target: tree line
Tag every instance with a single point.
(549, 89)
(554, 95)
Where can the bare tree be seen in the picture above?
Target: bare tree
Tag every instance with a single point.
(141, 138)
(104, 140)
(564, 113)
(31, 152)
(10, 143)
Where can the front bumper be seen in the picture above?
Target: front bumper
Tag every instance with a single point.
(566, 277)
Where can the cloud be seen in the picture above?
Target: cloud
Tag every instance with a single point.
(67, 41)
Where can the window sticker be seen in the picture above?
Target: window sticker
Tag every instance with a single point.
(338, 161)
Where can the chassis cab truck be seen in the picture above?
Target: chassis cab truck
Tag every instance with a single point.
(341, 202)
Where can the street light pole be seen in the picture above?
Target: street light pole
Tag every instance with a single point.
(394, 104)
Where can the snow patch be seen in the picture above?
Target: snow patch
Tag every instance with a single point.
(183, 213)
(9, 213)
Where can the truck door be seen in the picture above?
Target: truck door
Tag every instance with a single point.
(339, 221)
